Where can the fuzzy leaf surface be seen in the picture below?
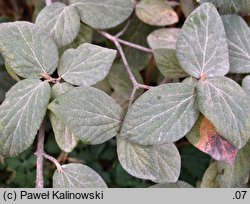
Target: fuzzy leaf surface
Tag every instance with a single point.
(164, 38)
(64, 138)
(77, 176)
(202, 48)
(86, 65)
(157, 13)
(163, 114)
(160, 163)
(21, 115)
(61, 21)
(238, 33)
(225, 104)
(90, 114)
(28, 49)
(168, 63)
(101, 14)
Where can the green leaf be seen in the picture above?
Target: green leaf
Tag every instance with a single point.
(237, 175)
(11, 72)
(21, 115)
(202, 48)
(246, 84)
(231, 6)
(6, 82)
(61, 21)
(187, 6)
(85, 35)
(191, 81)
(77, 176)
(120, 82)
(101, 14)
(157, 13)
(90, 114)
(64, 138)
(168, 64)
(210, 178)
(163, 114)
(28, 49)
(177, 184)
(164, 38)
(160, 163)
(223, 102)
(86, 65)
(238, 33)
(137, 33)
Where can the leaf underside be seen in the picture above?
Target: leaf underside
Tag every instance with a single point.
(90, 114)
(162, 114)
(202, 48)
(28, 49)
(160, 163)
(21, 115)
(223, 102)
(77, 176)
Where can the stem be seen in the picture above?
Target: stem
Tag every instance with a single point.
(39, 155)
(52, 159)
(136, 85)
(138, 47)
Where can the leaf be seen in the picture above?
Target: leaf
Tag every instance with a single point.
(238, 33)
(187, 6)
(231, 6)
(86, 65)
(163, 114)
(11, 72)
(90, 114)
(120, 82)
(21, 115)
(246, 84)
(210, 178)
(156, 13)
(61, 21)
(77, 176)
(104, 86)
(168, 64)
(202, 48)
(6, 82)
(177, 184)
(159, 164)
(205, 137)
(28, 49)
(191, 81)
(137, 33)
(236, 176)
(163, 38)
(64, 138)
(85, 35)
(101, 14)
(223, 102)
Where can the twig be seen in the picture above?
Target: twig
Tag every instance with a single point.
(39, 155)
(136, 85)
(52, 159)
(138, 47)
(48, 2)
(123, 30)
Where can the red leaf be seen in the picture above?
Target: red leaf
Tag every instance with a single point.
(212, 143)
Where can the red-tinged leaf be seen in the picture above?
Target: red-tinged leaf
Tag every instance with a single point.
(211, 142)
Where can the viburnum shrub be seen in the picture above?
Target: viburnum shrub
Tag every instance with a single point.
(57, 72)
